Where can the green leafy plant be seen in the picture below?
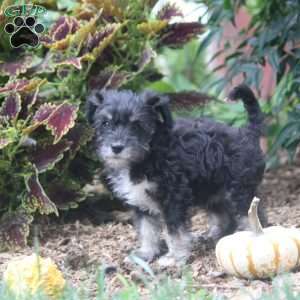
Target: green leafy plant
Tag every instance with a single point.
(45, 160)
(272, 37)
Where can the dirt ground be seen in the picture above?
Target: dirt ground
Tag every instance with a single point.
(80, 247)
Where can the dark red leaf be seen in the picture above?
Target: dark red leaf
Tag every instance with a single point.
(61, 120)
(37, 198)
(44, 158)
(65, 196)
(11, 106)
(180, 33)
(168, 11)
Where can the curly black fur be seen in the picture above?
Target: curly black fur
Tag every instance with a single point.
(193, 162)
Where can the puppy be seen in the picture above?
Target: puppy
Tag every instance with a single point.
(162, 168)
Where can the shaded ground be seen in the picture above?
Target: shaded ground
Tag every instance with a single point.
(80, 247)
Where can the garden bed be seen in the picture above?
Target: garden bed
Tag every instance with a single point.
(80, 247)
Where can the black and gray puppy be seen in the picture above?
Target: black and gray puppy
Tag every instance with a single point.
(163, 168)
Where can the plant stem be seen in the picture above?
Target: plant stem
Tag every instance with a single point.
(253, 218)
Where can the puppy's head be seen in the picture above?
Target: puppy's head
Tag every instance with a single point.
(125, 124)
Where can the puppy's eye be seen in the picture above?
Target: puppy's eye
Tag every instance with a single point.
(105, 123)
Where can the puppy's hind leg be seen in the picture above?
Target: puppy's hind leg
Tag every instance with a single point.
(178, 238)
(220, 223)
(179, 244)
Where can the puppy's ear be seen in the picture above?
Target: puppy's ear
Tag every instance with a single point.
(161, 104)
(93, 101)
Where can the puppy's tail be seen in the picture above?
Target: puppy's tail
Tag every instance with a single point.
(255, 115)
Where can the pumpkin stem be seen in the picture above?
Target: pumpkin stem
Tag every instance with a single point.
(253, 218)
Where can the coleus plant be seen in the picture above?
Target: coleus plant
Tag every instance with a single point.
(45, 159)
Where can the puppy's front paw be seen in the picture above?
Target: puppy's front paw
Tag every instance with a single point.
(170, 260)
(166, 261)
(147, 256)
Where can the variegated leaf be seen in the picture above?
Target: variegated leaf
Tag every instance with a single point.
(40, 116)
(18, 85)
(11, 106)
(60, 29)
(43, 113)
(22, 85)
(73, 61)
(169, 11)
(15, 67)
(44, 158)
(179, 33)
(60, 34)
(110, 77)
(61, 120)
(82, 33)
(37, 198)
(152, 27)
(99, 41)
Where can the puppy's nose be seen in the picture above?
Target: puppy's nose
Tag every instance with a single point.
(117, 148)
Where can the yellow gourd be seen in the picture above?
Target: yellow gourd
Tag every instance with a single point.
(260, 253)
(33, 273)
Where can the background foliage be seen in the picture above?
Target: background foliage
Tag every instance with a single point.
(272, 37)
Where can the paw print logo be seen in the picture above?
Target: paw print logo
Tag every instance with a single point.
(24, 31)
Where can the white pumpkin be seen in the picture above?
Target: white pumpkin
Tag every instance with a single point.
(260, 253)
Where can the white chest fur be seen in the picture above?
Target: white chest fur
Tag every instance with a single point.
(136, 194)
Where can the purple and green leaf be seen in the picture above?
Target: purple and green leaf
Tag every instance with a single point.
(65, 196)
(11, 106)
(16, 66)
(37, 197)
(61, 120)
(45, 158)
(169, 11)
(180, 33)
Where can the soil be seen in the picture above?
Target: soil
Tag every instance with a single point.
(80, 247)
